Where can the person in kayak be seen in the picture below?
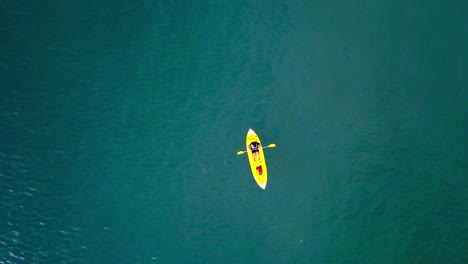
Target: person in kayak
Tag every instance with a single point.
(254, 147)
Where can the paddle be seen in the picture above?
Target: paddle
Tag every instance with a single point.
(244, 151)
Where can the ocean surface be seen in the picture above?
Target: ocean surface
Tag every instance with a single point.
(120, 122)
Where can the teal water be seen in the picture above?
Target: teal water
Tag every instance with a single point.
(120, 122)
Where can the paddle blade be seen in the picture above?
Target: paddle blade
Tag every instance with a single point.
(240, 152)
(272, 145)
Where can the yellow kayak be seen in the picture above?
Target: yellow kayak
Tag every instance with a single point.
(258, 167)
